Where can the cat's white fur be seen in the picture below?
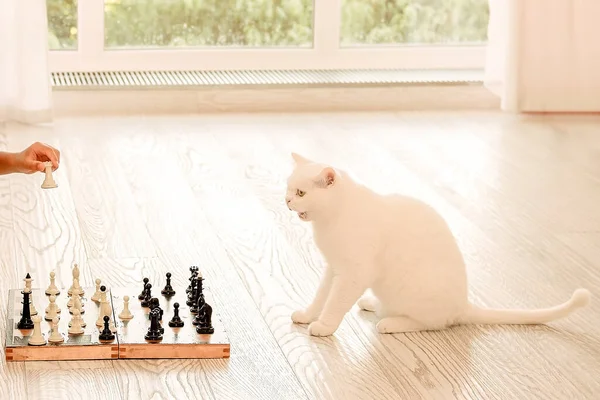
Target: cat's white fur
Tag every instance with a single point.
(397, 246)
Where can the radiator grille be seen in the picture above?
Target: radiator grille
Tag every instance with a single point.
(304, 78)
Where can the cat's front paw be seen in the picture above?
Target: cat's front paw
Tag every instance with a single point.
(302, 317)
(318, 328)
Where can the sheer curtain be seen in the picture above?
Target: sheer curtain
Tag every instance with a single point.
(544, 55)
(25, 93)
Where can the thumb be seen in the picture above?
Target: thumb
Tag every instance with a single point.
(32, 165)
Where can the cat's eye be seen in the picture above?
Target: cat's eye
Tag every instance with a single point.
(300, 193)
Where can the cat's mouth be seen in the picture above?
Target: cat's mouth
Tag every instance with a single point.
(302, 215)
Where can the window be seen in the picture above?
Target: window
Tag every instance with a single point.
(266, 34)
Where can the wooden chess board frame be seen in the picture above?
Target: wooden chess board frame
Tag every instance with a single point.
(129, 342)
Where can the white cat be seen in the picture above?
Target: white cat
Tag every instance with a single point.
(398, 247)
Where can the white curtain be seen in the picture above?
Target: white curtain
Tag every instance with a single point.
(544, 55)
(25, 92)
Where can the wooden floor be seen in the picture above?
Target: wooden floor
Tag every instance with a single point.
(140, 196)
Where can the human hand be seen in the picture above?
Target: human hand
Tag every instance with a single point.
(32, 158)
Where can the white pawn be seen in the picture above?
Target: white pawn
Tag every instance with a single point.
(36, 338)
(125, 314)
(75, 323)
(78, 318)
(52, 310)
(55, 336)
(52, 289)
(49, 179)
(97, 293)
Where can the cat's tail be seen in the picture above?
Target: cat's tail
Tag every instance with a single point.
(488, 316)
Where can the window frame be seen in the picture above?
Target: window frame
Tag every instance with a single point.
(326, 52)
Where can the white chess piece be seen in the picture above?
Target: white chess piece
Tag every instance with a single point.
(37, 338)
(97, 293)
(75, 323)
(78, 318)
(49, 179)
(77, 305)
(75, 273)
(52, 289)
(52, 310)
(55, 336)
(125, 314)
(102, 309)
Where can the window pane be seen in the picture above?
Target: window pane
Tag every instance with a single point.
(62, 24)
(414, 21)
(178, 23)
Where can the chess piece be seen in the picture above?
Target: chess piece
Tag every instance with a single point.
(25, 322)
(55, 336)
(168, 291)
(77, 305)
(49, 182)
(148, 296)
(155, 304)
(75, 327)
(96, 295)
(52, 310)
(74, 295)
(191, 299)
(106, 334)
(75, 273)
(77, 286)
(205, 326)
(52, 288)
(198, 319)
(79, 319)
(154, 333)
(193, 274)
(125, 314)
(37, 338)
(28, 279)
(176, 321)
(142, 295)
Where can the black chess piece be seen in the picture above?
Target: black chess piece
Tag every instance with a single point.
(143, 294)
(176, 321)
(205, 326)
(197, 295)
(191, 299)
(194, 273)
(25, 322)
(199, 304)
(106, 333)
(154, 304)
(154, 333)
(148, 296)
(168, 291)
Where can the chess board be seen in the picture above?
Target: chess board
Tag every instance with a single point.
(129, 341)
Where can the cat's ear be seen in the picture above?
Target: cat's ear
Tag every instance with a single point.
(326, 178)
(299, 159)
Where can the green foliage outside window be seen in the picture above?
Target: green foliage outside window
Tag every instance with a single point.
(272, 23)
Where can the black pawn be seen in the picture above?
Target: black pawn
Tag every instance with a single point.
(25, 322)
(154, 333)
(168, 291)
(143, 294)
(176, 321)
(198, 319)
(148, 296)
(205, 326)
(106, 333)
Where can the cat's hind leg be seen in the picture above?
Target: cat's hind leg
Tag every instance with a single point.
(400, 324)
